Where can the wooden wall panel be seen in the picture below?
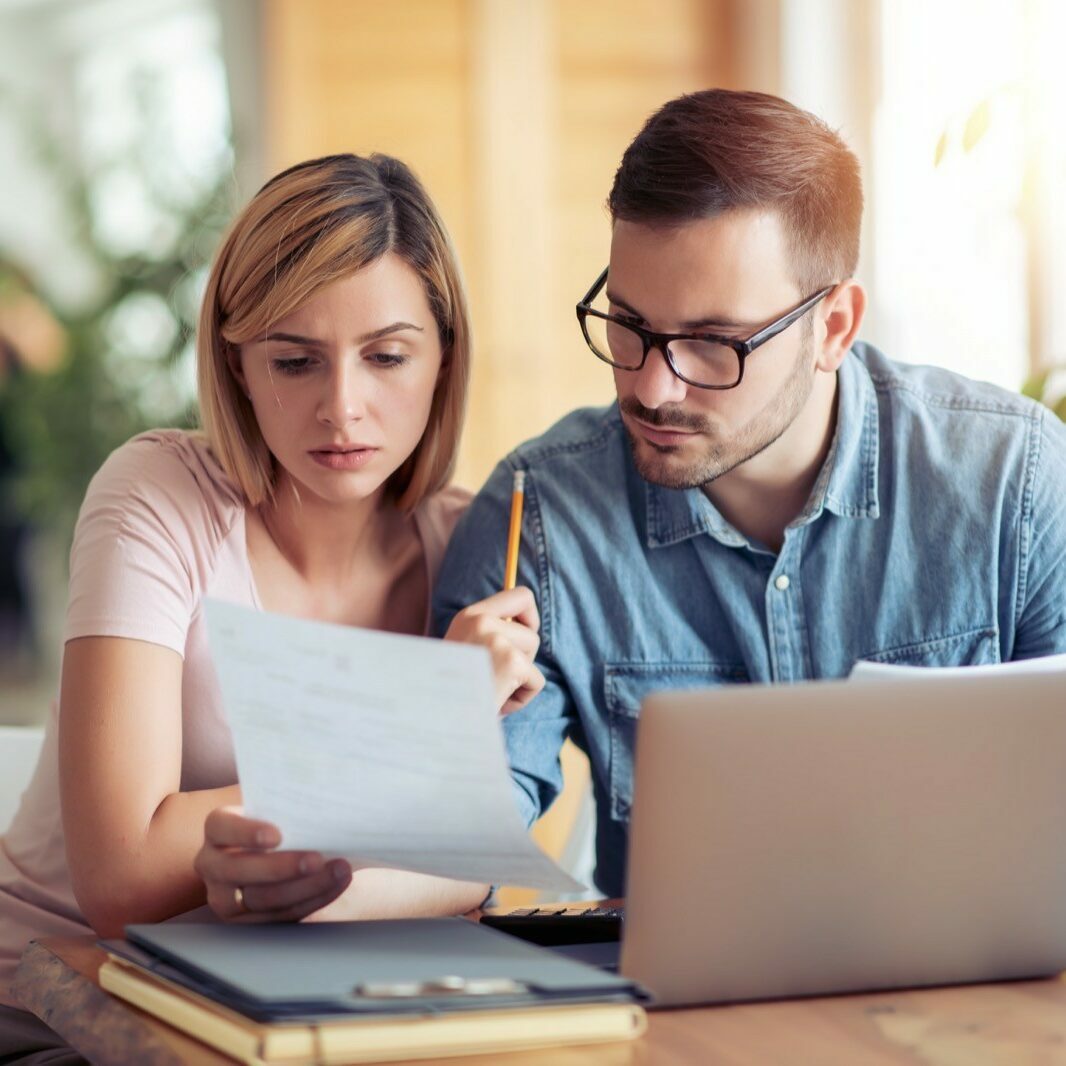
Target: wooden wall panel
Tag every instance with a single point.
(363, 76)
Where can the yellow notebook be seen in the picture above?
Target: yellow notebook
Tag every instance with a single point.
(377, 1039)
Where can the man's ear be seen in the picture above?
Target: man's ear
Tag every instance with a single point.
(843, 311)
(236, 367)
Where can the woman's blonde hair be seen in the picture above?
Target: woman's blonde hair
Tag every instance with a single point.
(311, 225)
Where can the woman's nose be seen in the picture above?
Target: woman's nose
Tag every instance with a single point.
(343, 401)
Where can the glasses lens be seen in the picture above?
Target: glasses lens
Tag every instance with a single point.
(705, 363)
(614, 342)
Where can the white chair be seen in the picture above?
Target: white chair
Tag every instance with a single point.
(19, 748)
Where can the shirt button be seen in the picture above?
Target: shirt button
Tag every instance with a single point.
(781, 583)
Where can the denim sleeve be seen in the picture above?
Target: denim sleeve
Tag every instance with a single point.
(473, 568)
(1042, 594)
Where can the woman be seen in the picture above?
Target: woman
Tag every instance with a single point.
(333, 357)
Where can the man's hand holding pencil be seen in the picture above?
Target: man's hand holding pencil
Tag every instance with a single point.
(507, 623)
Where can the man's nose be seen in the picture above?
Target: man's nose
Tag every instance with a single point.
(656, 383)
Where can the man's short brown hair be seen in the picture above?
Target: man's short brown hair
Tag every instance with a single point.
(714, 151)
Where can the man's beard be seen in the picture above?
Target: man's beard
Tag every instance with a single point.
(663, 465)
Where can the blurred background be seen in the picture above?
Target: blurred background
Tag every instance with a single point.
(131, 130)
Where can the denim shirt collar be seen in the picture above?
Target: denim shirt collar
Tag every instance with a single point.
(846, 485)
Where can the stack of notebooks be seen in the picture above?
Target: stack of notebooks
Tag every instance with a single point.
(353, 992)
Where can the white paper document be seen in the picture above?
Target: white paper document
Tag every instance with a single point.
(867, 671)
(380, 748)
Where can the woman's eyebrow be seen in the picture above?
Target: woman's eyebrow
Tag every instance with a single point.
(312, 342)
(377, 334)
(295, 338)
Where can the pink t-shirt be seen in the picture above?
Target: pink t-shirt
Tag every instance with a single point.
(161, 528)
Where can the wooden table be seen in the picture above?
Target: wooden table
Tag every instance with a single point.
(1015, 1024)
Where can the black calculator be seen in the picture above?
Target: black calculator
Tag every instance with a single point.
(554, 925)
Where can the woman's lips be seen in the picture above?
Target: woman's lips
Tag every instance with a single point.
(348, 459)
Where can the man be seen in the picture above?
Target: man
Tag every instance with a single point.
(769, 500)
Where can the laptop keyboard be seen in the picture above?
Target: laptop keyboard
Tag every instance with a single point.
(554, 925)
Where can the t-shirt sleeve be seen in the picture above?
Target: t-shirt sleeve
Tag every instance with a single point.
(440, 514)
(144, 544)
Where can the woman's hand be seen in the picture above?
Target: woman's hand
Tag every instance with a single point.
(248, 881)
(507, 624)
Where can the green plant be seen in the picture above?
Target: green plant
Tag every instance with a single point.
(1042, 387)
(128, 359)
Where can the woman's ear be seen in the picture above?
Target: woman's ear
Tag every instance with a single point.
(447, 351)
(236, 367)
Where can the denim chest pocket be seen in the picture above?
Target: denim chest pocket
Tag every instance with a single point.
(972, 647)
(625, 685)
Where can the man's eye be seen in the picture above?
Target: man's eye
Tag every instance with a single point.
(387, 359)
(293, 365)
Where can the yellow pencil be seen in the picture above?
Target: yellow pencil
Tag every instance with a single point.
(514, 534)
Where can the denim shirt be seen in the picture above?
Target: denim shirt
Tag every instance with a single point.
(935, 535)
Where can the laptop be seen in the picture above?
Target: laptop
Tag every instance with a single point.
(847, 836)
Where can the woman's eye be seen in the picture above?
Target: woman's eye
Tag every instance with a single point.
(387, 359)
(293, 365)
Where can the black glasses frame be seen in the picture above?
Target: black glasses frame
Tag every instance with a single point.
(742, 346)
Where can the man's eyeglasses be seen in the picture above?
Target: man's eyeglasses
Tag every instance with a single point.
(705, 360)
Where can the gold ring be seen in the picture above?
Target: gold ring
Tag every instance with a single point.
(238, 899)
